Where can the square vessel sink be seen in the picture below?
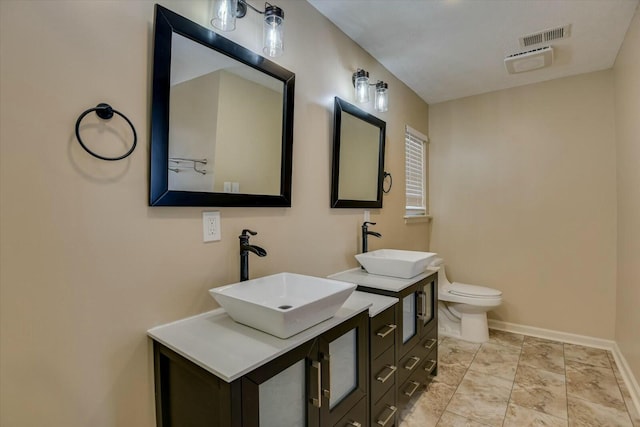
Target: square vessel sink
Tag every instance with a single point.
(283, 304)
(395, 262)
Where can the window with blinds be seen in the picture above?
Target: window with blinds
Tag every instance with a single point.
(415, 171)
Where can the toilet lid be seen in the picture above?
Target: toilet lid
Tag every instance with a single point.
(473, 291)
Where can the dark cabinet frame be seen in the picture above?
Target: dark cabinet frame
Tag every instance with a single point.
(421, 327)
(422, 346)
(187, 394)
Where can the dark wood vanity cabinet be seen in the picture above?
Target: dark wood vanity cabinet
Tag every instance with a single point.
(322, 382)
(416, 347)
(383, 367)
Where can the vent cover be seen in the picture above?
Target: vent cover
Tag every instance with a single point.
(546, 36)
(529, 60)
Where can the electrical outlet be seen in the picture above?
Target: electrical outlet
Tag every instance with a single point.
(367, 215)
(211, 226)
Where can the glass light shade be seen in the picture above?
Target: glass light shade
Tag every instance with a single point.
(361, 85)
(273, 31)
(224, 14)
(382, 97)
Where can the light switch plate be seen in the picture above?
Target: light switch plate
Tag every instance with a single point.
(211, 226)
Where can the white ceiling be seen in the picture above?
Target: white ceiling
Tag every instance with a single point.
(448, 49)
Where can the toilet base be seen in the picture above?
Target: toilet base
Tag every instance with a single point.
(472, 327)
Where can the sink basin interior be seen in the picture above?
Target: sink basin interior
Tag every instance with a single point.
(283, 304)
(395, 262)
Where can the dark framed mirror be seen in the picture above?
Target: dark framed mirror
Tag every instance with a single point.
(358, 157)
(221, 120)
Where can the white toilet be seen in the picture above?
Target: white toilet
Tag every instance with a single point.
(462, 308)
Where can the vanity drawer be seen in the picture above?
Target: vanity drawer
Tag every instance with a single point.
(383, 332)
(356, 417)
(383, 374)
(430, 366)
(407, 390)
(410, 363)
(429, 343)
(385, 412)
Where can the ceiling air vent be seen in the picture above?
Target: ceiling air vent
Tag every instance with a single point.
(546, 36)
(529, 60)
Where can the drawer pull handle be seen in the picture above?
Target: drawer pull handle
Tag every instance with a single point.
(391, 369)
(432, 343)
(354, 424)
(384, 422)
(390, 328)
(415, 387)
(415, 359)
(430, 368)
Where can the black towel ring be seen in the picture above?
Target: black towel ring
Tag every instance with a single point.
(387, 174)
(105, 112)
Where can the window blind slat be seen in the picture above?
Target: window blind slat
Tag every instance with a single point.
(415, 203)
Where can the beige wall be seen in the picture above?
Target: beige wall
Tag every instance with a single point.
(359, 159)
(627, 110)
(86, 266)
(523, 196)
(251, 157)
(193, 118)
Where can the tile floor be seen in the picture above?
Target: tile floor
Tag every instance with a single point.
(521, 381)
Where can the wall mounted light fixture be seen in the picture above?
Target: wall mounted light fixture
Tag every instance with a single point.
(225, 13)
(361, 86)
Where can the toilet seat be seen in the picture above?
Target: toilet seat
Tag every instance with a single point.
(463, 308)
(472, 291)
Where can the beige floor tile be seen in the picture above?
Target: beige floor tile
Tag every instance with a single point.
(543, 354)
(454, 351)
(535, 340)
(517, 416)
(584, 413)
(460, 345)
(482, 398)
(474, 380)
(404, 415)
(587, 355)
(626, 396)
(505, 338)
(452, 420)
(427, 410)
(497, 360)
(450, 373)
(598, 385)
(540, 390)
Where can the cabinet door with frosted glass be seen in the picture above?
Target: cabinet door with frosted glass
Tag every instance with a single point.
(407, 311)
(428, 302)
(344, 360)
(281, 392)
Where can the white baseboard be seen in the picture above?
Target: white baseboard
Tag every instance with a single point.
(552, 335)
(627, 376)
(621, 362)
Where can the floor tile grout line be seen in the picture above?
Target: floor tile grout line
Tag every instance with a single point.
(566, 384)
(612, 362)
(504, 418)
(589, 401)
(521, 364)
(458, 386)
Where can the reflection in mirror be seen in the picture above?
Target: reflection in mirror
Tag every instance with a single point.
(211, 100)
(358, 158)
(222, 121)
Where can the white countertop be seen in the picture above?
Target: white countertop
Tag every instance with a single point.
(385, 283)
(379, 303)
(230, 350)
